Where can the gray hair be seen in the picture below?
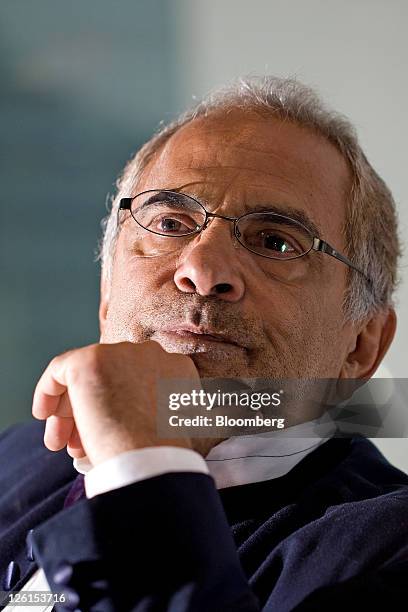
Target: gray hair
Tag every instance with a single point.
(370, 229)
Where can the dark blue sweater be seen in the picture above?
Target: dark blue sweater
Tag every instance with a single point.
(332, 534)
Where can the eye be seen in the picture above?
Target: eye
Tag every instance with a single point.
(274, 236)
(274, 242)
(164, 223)
(167, 224)
(169, 218)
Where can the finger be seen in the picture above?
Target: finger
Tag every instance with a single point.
(49, 388)
(74, 446)
(64, 407)
(76, 453)
(58, 431)
(75, 442)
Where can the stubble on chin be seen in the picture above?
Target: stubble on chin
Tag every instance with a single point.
(137, 318)
(126, 322)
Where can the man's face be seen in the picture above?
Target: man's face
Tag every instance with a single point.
(273, 326)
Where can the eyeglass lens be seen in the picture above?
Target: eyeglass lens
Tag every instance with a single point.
(172, 218)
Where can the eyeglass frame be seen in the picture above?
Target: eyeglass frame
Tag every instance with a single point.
(318, 244)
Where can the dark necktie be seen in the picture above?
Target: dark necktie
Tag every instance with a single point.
(76, 492)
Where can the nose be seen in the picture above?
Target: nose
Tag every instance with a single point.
(210, 266)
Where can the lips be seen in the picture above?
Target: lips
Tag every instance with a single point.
(188, 331)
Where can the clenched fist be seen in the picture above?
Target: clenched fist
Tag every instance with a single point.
(100, 400)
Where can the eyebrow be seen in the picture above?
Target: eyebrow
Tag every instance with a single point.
(286, 211)
(166, 197)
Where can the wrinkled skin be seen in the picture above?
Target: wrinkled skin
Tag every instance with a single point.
(97, 400)
(289, 328)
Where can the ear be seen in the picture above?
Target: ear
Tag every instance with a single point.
(371, 341)
(104, 304)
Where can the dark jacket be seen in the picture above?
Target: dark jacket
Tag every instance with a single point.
(332, 534)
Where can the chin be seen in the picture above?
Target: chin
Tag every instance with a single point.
(210, 367)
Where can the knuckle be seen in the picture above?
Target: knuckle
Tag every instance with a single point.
(94, 361)
(88, 363)
(62, 356)
(54, 363)
(152, 346)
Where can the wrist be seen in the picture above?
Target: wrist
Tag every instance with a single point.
(113, 448)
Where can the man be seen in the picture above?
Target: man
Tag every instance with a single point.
(251, 239)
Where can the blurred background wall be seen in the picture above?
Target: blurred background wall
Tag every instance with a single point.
(82, 85)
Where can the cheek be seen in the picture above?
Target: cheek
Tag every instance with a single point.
(135, 282)
(126, 293)
(304, 331)
(140, 270)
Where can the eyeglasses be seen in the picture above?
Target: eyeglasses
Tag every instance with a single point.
(171, 214)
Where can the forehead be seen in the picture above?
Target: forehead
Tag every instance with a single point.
(241, 159)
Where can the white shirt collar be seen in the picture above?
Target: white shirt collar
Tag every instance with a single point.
(255, 458)
(245, 459)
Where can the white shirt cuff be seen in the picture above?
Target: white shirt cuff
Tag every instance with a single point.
(140, 464)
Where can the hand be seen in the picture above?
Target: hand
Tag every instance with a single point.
(100, 400)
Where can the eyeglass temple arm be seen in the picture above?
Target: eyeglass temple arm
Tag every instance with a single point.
(324, 247)
(125, 204)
